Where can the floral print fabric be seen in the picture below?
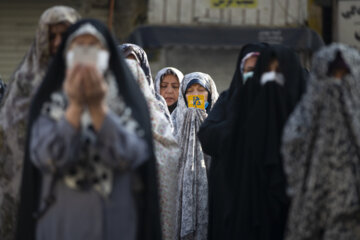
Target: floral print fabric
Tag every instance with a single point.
(167, 154)
(14, 110)
(192, 201)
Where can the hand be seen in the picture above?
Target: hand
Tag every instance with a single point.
(73, 85)
(95, 87)
(73, 89)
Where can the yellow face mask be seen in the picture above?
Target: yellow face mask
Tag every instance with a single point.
(196, 101)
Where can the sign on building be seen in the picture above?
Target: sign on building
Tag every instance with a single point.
(234, 3)
(349, 22)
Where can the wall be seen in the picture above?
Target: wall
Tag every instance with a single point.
(18, 23)
(267, 13)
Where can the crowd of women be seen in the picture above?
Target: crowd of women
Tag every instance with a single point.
(101, 150)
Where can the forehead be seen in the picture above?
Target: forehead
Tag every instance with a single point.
(169, 78)
(196, 85)
(58, 27)
(251, 60)
(86, 39)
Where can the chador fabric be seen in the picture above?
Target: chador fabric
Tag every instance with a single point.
(129, 49)
(167, 152)
(321, 150)
(211, 133)
(192, 210)
(2, 89)
(134, 185)
(160, 76)
(255, 201)
(14, 112)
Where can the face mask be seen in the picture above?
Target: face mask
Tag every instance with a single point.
(272, 77)
(88, 55)
(102, 63)
(206, 104)
(247, 75)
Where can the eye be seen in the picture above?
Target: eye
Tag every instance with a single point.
(163, 85)
(175, 86)
(201, 89)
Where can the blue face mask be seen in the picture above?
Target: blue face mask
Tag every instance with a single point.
(247, 75)
(206, 104)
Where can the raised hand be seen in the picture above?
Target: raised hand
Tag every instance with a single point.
(73, 89)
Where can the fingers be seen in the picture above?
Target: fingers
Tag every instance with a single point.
(94, 85)
(73, 84)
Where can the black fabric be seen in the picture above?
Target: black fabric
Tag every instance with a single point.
(211, 134)
(146, 195)
(2, 89)
(259, 202)
(250, 166)
(172, 107)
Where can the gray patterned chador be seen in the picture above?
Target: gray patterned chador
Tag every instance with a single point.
(321, 150)
(192, 210)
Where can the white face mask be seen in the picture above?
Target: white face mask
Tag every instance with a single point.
(272, 77)
(88, 55)
(247, 75)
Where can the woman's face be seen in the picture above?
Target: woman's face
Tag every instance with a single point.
(169, 89)
(197, 89)
(339, 73)
(97, 56)
(249, 64)
(56, 32)
(274, 66)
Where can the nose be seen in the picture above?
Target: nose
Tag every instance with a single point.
(57, 41)
(169, 90)
(195, 92)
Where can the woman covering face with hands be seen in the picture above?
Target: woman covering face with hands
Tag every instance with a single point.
(84, 84)
(89, 166)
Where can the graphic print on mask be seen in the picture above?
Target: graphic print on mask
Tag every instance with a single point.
(196, 101)
(88, 55)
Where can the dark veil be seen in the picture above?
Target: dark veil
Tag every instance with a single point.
(259, 205)
(146, 189)
(211, 134)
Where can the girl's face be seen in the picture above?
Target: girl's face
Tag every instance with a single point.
(169, 89)
(197, 89)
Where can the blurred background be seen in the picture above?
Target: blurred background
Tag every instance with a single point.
(193, 35)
